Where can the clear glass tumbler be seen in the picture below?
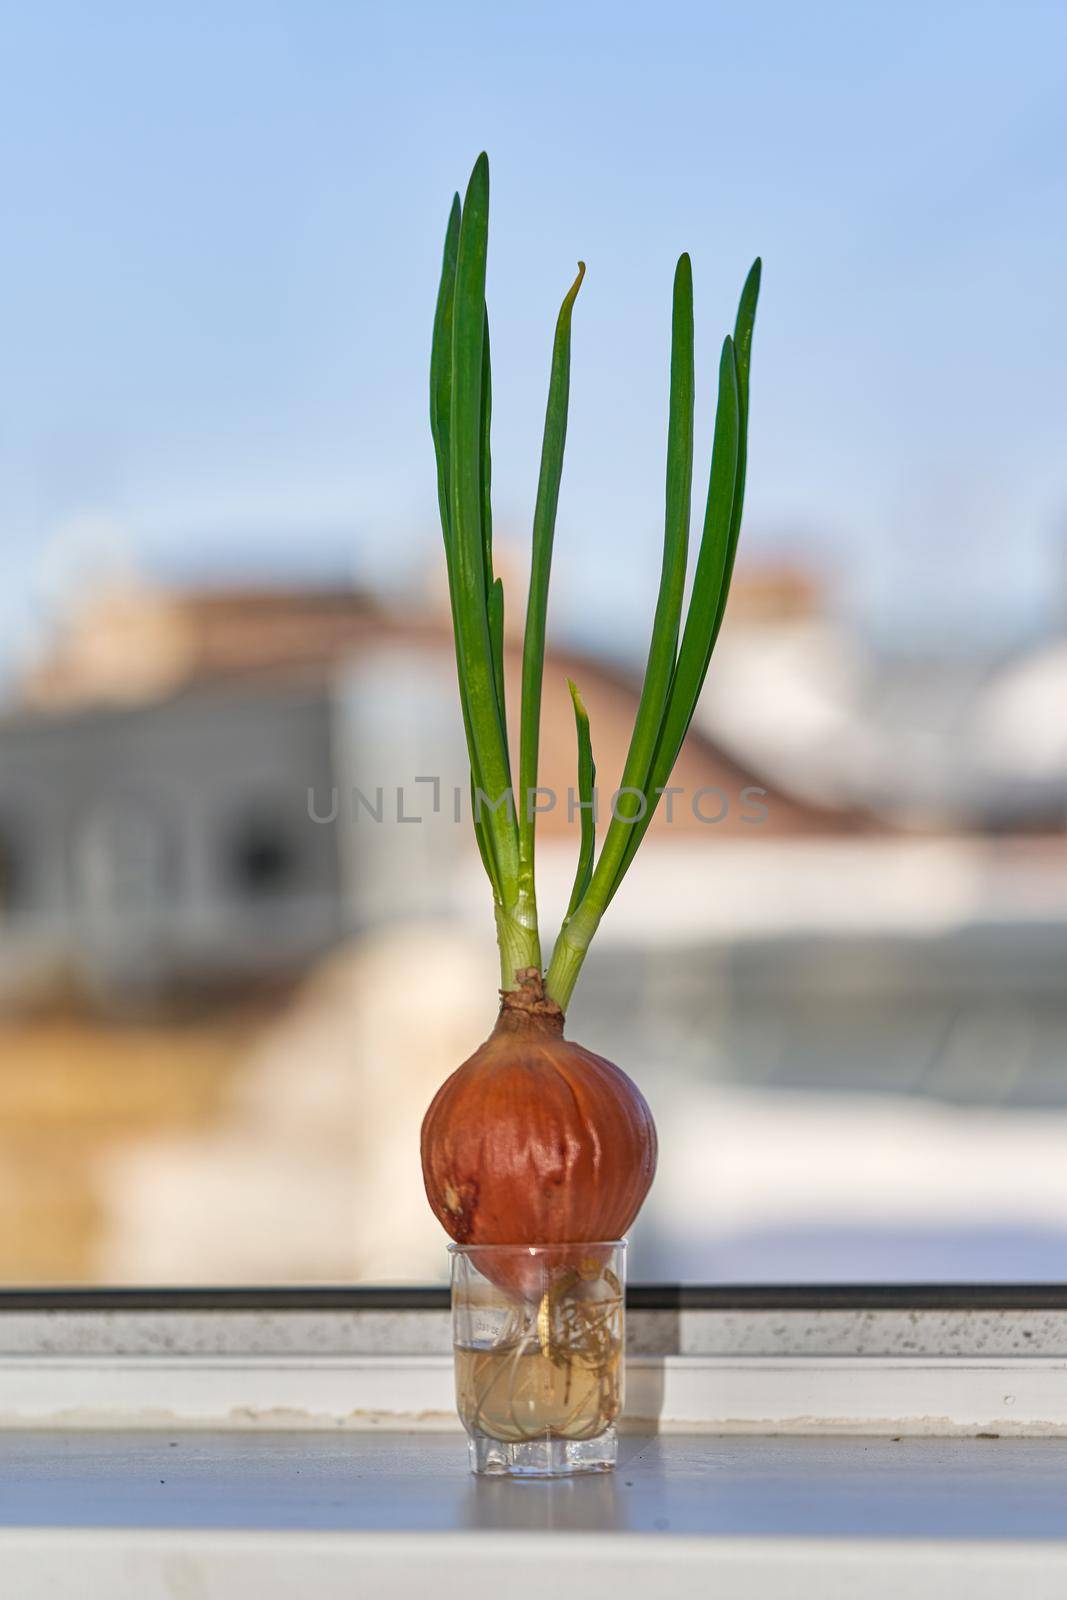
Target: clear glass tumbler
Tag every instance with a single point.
(538, 1338)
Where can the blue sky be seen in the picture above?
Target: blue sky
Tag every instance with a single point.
(223, 231)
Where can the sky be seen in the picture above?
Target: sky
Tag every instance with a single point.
(223, 234)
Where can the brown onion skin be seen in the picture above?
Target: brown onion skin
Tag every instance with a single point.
(535, 1140)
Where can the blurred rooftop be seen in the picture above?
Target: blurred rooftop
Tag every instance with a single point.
(132, 644)
(796, 701)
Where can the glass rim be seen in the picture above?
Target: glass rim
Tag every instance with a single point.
(455, 1249)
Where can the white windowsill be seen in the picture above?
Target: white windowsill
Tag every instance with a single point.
(924, 1396)
(821, 1453)
(932, 1372)
(350, 1515)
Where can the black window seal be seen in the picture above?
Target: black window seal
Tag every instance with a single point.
(639, 1297)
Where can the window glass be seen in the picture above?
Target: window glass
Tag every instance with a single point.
(244, 930)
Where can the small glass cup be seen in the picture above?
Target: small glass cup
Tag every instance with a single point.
(538, 1338)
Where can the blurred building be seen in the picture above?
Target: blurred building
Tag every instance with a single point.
(246, 799)
(201, 788)
(929, 741)
(160, 843)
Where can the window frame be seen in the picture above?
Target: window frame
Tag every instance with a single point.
(927, 1360)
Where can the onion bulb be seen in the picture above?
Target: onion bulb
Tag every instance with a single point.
(535, 1140)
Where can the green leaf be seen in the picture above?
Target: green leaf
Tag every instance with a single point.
(486, 457)
(743, 328)
(718, 550)
(586, 786)
(544, 530)
(441, 369)
(705, 604)
(440, 428)
(660, 668)
(496, 639)
(479, 832)
(489, 759)
(441, 384)
(494, 589)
